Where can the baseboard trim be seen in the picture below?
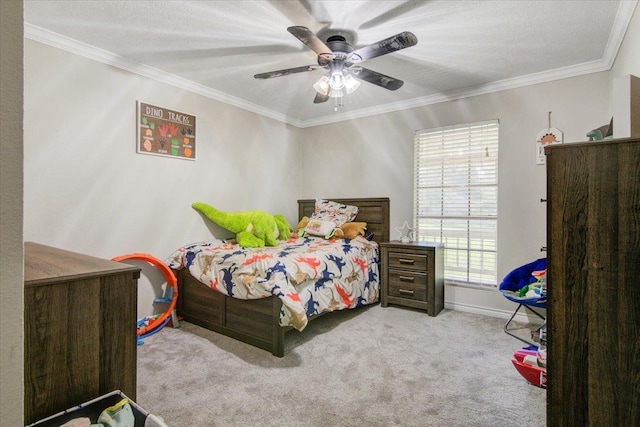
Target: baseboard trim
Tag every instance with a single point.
(488, 311)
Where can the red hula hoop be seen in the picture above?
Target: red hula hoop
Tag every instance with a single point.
(169, 277)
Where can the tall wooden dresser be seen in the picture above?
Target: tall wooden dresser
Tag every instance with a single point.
(593, 307)
(80, 329)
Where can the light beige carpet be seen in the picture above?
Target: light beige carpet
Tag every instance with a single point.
(366, 367)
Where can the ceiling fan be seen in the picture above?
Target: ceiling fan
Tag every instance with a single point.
(341, 61)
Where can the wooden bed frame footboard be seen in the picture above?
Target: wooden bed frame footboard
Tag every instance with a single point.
(256, 322)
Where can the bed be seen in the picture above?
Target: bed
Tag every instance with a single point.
(258, 321)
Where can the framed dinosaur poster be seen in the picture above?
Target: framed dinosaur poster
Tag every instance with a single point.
(165, 132)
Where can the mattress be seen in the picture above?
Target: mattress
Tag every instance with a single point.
(310, 275)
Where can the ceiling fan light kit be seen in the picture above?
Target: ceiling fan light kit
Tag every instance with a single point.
(336, 81)
(338, 57)
(334, 85)
(351, 84)
(322, 86)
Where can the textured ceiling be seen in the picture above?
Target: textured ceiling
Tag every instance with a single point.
(216, 47)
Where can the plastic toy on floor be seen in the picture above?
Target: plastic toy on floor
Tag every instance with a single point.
(526, 363)
(151, 324)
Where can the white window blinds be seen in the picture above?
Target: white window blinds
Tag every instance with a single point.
(456, 198)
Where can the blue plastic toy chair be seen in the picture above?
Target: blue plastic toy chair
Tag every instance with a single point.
(515, 281)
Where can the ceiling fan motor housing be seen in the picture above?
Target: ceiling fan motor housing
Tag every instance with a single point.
(340, 48)
(338, 56)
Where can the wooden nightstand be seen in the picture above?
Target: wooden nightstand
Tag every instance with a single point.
(413, 275)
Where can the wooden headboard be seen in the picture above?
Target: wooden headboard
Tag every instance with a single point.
(373, 211)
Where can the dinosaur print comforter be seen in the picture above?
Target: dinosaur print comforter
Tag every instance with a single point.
(310, 275)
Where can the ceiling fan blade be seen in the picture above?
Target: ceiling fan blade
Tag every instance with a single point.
(312, 41)
(320, 98)
(287, 71)
(377, 79)
(388, 45)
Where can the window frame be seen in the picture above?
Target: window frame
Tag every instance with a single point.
(477, 250)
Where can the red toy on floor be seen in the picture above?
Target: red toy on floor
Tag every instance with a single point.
(526, 362)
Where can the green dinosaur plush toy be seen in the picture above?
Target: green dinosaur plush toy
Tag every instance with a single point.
(253, 229)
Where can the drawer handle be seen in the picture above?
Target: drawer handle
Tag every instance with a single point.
(405, 291)
(406, 261)
(406, 278)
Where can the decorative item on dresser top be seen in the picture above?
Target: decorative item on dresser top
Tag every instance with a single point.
(593, 283)
(79, 329)
(413, 275)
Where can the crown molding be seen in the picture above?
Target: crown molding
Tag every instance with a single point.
(616, 37)
(59, 41)
(620, 25)
(501, 85)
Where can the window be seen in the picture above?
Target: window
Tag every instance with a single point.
(456, 198)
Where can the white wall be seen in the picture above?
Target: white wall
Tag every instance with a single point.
(374, 157)
(88, 191)
(49, 215)
(11, 251)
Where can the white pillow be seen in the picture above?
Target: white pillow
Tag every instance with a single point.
(326, 210)
(320, 228)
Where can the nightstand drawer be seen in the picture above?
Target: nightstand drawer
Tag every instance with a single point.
(408, 285)
(412, 261)
(407, 278)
